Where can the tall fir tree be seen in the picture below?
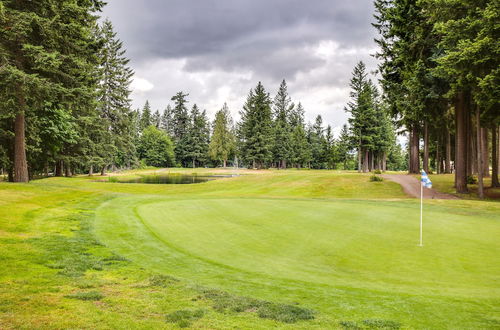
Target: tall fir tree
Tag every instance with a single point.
(180, 127)
(146, 118)
(282, 110)
(198, 137)
(301, 153)
(39, 69)
(114, 102)
(255, 130)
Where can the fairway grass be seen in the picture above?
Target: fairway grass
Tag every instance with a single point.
(268, 249)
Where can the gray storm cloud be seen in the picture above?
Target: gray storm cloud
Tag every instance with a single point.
(219, 49)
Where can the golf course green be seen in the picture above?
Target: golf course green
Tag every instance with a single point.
(286, 249)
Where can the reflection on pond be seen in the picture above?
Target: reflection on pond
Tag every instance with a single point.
(170, 179)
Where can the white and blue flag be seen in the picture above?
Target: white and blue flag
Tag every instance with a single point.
(426, 182)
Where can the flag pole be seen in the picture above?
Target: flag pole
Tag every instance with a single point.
(421, 209)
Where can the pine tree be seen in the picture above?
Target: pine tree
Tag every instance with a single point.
(114, 102)
(362, 108)
(255, 130)
(166, 123)
(282, 110)
(317, 143)
(198, 137)
(344, 148)
(180, 127)
(146, 119)
(222, 143)
(39, 68)
(301, 154)
(156, 119)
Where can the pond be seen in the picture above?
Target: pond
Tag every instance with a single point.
(170, 179)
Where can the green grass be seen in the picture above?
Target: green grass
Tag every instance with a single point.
(445, 183)
(270, 249)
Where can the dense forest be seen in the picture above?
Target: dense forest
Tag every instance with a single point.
(65, 104)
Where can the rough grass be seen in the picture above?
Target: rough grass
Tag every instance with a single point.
(57, 273)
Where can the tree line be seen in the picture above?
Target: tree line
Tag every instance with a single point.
(271, 133)
(439, 62)
(65, 109)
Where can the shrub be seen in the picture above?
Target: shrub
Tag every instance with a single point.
(471, 179)
(376, 178)
(377, 172)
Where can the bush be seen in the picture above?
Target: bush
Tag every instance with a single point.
(377, 172)
(376, 178)
(471, 179)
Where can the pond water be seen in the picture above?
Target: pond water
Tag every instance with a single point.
(172, 179)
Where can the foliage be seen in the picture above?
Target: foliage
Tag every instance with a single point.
(156, 148)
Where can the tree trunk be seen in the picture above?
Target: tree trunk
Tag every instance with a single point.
(359, 158)
(103, 170)
(471, 144)
(461, 144)
(91, 170)
(479, 149)
(225, 163)
(20, 163)
(384, 161)
(494, 157)
(194, 164)
(68, 170)
(10, 173)
(447, 163)
(59, 167)
(485, 147)
(414, 151)
(426, 148)
(283, 163)
(366, 161)
(437, 157)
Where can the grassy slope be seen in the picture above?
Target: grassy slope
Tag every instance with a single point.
(47, 241)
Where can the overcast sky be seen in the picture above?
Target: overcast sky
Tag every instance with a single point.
(217, 50)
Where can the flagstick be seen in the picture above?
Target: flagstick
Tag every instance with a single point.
(421, 209)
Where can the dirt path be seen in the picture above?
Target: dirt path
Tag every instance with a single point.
(411, 186)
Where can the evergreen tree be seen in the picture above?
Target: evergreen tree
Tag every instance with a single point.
(283, 108)
(330, 149)
(301, 154)
(198, 137)
(255, 130)
(114, 102)
(222, 143)
(363, 122)
(317, 144)
(344, 148)
(156, 119)
(146, 118)
(40, 69)
(180, 128)
(166, 120)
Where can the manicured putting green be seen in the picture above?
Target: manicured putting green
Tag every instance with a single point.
(359, 244)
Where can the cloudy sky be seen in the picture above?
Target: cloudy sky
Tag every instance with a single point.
(217, 50)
